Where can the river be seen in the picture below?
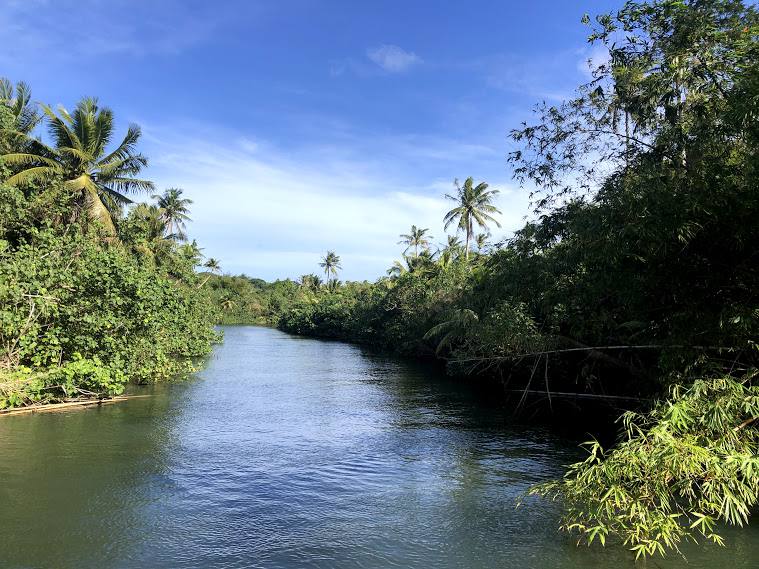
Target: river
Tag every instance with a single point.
(287, 452)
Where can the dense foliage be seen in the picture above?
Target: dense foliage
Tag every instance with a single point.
(690, 463)
(92, 295)
(244, 300)
(637, 275)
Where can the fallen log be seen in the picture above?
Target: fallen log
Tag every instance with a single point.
(52, 407)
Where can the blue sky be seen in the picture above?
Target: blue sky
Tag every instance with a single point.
(298, 126)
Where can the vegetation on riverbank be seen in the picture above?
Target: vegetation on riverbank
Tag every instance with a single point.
(94, 291)
(638, 274)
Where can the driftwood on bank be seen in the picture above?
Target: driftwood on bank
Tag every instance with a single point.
(66, 405)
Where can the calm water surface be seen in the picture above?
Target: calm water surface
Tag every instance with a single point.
(289, 452)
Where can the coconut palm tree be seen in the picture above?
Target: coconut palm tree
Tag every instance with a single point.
(192, 252)
(213, 267)
(152, 239)
(154, 227)
(311, 281)
(331, 264)
(399, 268)
(174, 210)
(450, 252)
(416, 238)
(453, 242)
(98, 178)
(458, 326)
(474, 205)
(25, 115)
(419, 264)
(481, 241)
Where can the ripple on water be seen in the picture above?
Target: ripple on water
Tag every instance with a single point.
(286, 453)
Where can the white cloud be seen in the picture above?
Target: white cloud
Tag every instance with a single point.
(392, 58)
(272, 213)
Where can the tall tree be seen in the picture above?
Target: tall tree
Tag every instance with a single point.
(151, 238)
(481, 241)
(474, 205)
(26, 116)
(331, 264)
(98, 179)
(192, 252)
(214, 266)
(416, 238)
(310, 281)
(174, 212)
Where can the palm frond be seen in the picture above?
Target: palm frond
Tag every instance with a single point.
(59, 128)
(117, 197)
(25, 159)
(133, 185)
(30, 175)
(122, 167)
(127, 146)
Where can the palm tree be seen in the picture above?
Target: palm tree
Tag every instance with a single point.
(481, 241)
(99, 179)
(311, 282)
(453, 242)
(422, 263)
(398, 268)
(458, 326)
(213, 267)
(474, 205)
(174, 210)
(450, 252)
(192, 252)
(154, 225)
(152, 239)
(331, 264)
(419, 264)
(18, 101)
(415, 239)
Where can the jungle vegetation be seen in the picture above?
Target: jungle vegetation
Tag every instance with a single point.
(95, 290)
(638, 274)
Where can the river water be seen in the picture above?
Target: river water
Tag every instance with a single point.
(286, 453)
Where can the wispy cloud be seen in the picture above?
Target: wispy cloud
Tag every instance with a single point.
(272, 213)
(591, 59)
(392, 58)
(551, 76)
(80, 29)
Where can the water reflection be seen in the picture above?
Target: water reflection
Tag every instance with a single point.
(290, 452)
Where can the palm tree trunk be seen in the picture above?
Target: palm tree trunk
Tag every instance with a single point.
(468, 237)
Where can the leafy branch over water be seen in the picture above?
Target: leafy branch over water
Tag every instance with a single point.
(681, 469)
